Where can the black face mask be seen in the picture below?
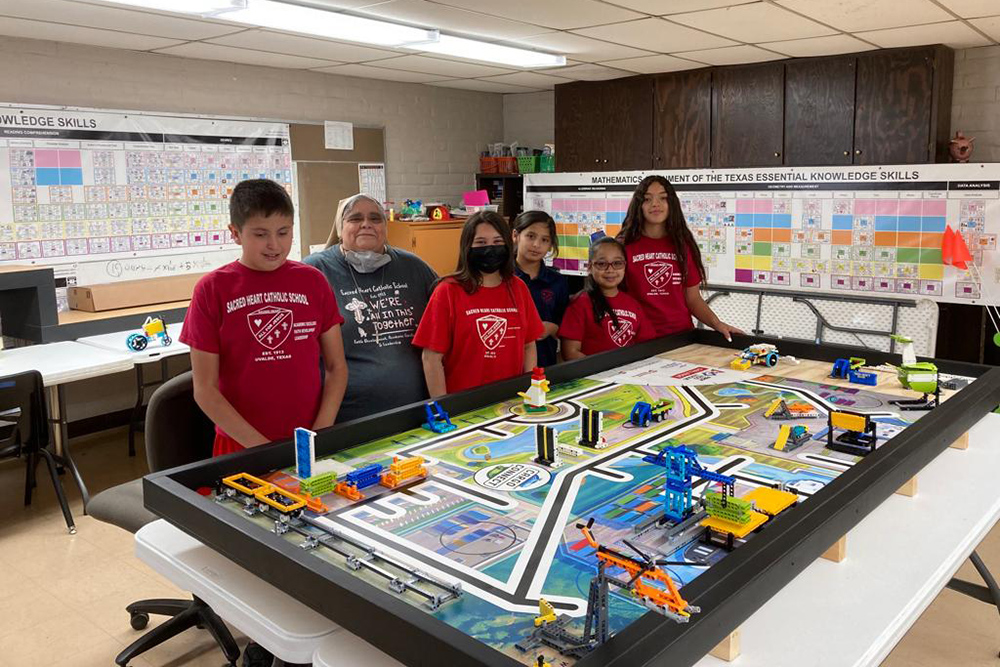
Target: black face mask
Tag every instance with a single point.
(488, 258)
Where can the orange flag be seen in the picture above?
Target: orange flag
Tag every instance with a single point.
(948, 246)
(962, 254)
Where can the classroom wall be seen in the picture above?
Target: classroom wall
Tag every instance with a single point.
(529, 119)
(976, 100)
(433, 135)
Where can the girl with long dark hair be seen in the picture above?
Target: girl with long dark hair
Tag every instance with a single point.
(601, 317)
(665, 271)
(534, 237)
(480, 325)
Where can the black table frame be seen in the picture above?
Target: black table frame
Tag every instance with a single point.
(728, 593)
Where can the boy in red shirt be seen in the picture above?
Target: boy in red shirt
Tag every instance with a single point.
(480, 324)
(257, 328)
(601, 318)
(664, 270)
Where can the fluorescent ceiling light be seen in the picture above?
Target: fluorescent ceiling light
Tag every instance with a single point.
(200, 7)
(323, 23)
(492, 53)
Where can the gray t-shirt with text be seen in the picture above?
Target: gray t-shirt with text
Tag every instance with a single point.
(381, 312)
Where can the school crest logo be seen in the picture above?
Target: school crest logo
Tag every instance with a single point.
(624, 334)
(270, 325)
(491, 329)
(658, 273)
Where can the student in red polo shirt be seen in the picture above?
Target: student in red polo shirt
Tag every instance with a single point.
(480, 325)
(601, 317)
(665, 271)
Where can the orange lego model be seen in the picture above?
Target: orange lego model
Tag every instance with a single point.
(403, 471)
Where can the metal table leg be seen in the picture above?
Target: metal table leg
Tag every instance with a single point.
(61, 458)
(140, 399)
(990, 593)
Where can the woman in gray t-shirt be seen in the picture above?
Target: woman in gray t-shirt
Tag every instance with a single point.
(382, 293)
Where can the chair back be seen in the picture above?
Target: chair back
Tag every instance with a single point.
(24, 392)
(177, 431)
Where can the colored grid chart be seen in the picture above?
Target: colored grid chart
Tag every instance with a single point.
(577, 219)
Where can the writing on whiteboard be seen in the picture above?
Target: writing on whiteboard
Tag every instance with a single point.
(128, 269)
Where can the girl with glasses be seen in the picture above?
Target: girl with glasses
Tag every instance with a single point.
(601, 317)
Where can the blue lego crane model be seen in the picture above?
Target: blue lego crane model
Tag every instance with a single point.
(681, 463)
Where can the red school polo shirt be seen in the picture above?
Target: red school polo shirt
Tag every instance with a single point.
(653, 277)
(578, 324)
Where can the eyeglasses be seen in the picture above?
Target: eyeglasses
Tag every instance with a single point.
(601, 265)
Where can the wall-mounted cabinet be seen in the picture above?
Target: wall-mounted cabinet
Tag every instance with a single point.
(890, 106)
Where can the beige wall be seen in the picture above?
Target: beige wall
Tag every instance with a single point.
(975, 101)
(433, 135)
(529, 119)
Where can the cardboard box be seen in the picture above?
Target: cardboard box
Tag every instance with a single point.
(132, 293)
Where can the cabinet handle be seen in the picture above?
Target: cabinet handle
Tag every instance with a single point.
(658, 158)
(605, 161)
(847, 152)
(597, 161)
(857, 152)
(777, 154)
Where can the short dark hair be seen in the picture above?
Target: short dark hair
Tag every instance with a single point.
(258, 196)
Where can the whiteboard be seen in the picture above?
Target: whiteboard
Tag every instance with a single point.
(103, 196)
(860, 230)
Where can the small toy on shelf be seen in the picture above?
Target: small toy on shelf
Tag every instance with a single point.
(438, 212)
(763, 354)
(153, 327)
(437, 419)
(535, 398)
(412, 208)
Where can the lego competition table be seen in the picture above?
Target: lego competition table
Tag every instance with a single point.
(588, 531)
(153, 352)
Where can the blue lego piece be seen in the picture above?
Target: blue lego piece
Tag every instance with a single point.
(642, 413)
(681, 463)
(364, 477)
(437, 419)
(841, 367)
(869, 378)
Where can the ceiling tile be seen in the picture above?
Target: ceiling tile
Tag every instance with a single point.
(345, 4)
(451, 19)
(528, 79)
(732, 55)
(445, 68)
(656, 35)
(662, 7)
(857, 15)
(818, 46)
(990, 26)
(78, 35)
(113, 18)
(484, 86)
(753, 23)
(242, 56)
(296, 45)
(653, 64)
(580, 48)
(968, 9)
(559, 14)
(369, 72)
(953, 33)
(590, 72)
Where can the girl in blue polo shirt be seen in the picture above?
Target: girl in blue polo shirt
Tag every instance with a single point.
(534, 237)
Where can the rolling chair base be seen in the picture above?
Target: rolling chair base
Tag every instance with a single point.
(186, 614)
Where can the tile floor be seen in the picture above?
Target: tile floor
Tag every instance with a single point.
(64, 596)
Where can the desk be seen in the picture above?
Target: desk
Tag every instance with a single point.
(115, 342)
(276, 621)
(59, 364)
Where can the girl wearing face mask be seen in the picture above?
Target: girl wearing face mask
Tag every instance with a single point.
(381, 292)
(481, 324)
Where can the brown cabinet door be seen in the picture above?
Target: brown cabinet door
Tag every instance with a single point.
(819, 111)
(682, 120)
(626, 124)
(892, 121)
(748, 115)
(578, 126)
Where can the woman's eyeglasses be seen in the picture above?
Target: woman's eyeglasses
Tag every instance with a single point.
(601, 265)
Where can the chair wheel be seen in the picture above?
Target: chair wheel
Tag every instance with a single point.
(139, 620)
(255, 655)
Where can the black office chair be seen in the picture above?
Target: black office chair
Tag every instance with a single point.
(24, 433)
(177, 433)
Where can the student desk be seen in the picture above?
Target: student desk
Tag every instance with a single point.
(115, 342)
(59, 364)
